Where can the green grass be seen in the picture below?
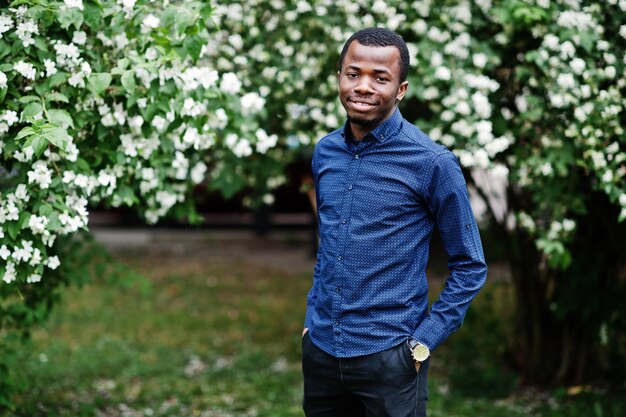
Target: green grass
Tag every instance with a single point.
(223, 339)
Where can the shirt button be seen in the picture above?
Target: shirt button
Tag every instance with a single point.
(336, 322)
(350, 187)
(339, 257)
(344, 221)
(356, 156)
(337, 289)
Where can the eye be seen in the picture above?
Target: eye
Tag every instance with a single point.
(382, 79)
(352, 75)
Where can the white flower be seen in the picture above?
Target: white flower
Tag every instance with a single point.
(25, 69)
(53, 262)
(151, 54)
(10, 117)
(51, 67)
(150, 22)
(566, 81)
(25, 31)
(197, 172)
(79, 37)
(127, 5)
(610, 72)
(40, 174)
(74, 4)
(481, 105)
(77, 80)
(24, 253)
(6, 23)
(166, 199)
(37, 224)
(3, 80)
(5, 253)
(242, 148)
(577, 65)
(135, 122)
(443, 73)
(479, 60)
(180, 165)
(252, 103)
(546, 169)
(21, 193)
(9, 273)
(575, 20)
(568, 225)
(159, 123)
(265, 141)
(33, 278)
(230, 83)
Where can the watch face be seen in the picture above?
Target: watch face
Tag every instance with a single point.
(421, 353)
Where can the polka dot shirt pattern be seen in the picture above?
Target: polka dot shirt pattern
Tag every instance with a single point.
(379, 202)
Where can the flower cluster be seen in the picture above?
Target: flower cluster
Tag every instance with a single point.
(118, 105)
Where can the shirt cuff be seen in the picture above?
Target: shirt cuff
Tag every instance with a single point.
(431, 333)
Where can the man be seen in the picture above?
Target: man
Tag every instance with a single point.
(382, 187)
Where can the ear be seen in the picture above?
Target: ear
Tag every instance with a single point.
(402, 90)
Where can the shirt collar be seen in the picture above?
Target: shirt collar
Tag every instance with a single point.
(380, 132)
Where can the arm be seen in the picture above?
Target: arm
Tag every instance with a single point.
(312, 295)
(449, 205)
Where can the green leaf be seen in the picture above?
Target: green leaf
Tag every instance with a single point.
(28, 99)
(39, 144)
(92, 14)
(123, 63)
(127, 195)
(41, 44)
(61, 118)
(22, 223)
(31, 110)
(27, 131)
(99, 81)
(128, 81)
(57, 97)
(13, 229)
(70, 17)
(193, 45)
(55, 135)
(58, 78)
(5, 49)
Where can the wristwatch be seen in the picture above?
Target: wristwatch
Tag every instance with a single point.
(419, 352)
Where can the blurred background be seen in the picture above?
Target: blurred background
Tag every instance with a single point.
(157, 236)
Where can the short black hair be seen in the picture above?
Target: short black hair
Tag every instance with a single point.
(377, 36)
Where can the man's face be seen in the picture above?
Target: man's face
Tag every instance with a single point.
(369, 85)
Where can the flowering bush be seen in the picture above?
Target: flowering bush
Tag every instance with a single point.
(115, 103)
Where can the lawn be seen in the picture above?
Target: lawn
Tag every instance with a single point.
(194, 336)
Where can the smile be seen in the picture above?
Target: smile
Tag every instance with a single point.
(362, 104)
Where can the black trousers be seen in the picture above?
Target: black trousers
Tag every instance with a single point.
(383, 384)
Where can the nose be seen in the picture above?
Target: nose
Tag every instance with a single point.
(363, 86)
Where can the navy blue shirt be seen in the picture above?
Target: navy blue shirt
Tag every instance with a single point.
(379, 201)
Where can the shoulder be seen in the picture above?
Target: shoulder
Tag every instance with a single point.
(330, 142)
(422, 141)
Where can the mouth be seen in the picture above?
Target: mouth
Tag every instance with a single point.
(361, 104)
